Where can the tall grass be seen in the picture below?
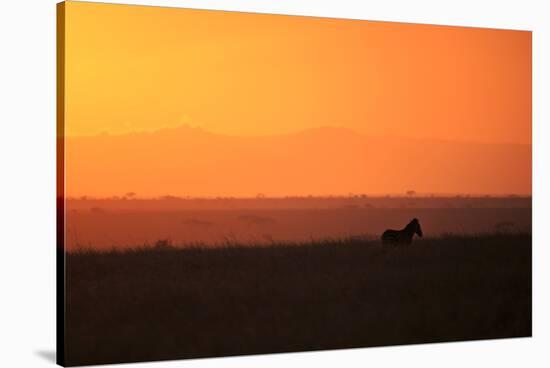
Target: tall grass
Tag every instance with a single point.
(162, 301)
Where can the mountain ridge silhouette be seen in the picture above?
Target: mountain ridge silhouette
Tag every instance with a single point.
(185, 128)
(319, 161)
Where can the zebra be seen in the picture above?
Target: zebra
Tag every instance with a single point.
(403, 236)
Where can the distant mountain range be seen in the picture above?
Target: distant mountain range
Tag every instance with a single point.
(186, 161)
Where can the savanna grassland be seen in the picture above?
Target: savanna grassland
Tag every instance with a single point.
(126, 221)
(169, 302)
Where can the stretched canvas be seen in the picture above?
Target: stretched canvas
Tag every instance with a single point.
(233, 183)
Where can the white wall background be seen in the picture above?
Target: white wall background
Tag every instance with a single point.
(27, 181)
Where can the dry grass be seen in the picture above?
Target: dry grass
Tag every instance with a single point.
(163, 302)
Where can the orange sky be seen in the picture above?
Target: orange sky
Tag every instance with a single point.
(141, 68)
(135, 68)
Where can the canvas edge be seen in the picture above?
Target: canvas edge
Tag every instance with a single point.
(60, 184)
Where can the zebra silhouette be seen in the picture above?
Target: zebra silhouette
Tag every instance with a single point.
(403, 236)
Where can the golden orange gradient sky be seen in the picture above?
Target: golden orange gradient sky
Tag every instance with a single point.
(260, 83)
(140, 68)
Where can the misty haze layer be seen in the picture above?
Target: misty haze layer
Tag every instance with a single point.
(326, 161)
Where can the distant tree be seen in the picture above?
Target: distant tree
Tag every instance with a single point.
(260, 195)
(130, 194)
(168, 197)
(411, 193)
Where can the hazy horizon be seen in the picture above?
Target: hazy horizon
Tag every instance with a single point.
(185, 161)
(106, 223)
(262, 196)
(291, 132)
